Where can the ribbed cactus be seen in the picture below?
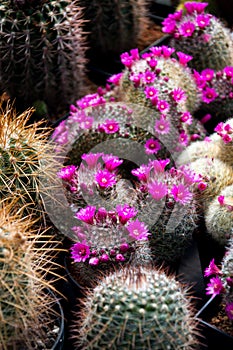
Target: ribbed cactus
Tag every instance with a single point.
(113, 26)
(25, 306)
(23, 148)
(200, 35)
(42, 52)
(136, 308)
(219, 216)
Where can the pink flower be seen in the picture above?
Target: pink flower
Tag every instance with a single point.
(163, 106)
(124, 247)
(135, 54)
(203, 21)
(111, 162)
(94, 261)
(125, 213)
(86, 214)
(150, 92)
(149, 77)
(212, 269)
(178, 95)
(80, 252)
(152, 146)
(135, 78)
(186, 117)
(229, 310)
(142, 173)
(215, 286)
(105, 179)
(167, 51)
(184, 58)
(208, 74)
(221, 200)
(226, 138)
(228, 71)
(209, 95)
(169, 25)
(206, 118)
(157, 190)
(91, 159)
(181, 194)
(159, 165)
(137, 230)
(202, 186)
(110, 126)
(152, 62)
(162, 126)
(120, 257)
(156, 50)
(186, 29)
(115, 78)
(195, 6)
(200, 80)
(67, 173)
(219, 128)
(126, 59)
(183, 139)
(104, 258)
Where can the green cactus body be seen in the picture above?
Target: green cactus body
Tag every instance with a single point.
(137, 308)
(227, 272)
(216, 174)
(24, 304)
(219, 216)
(22, 149)
(208, 42)
(42, 52)
(113, 27)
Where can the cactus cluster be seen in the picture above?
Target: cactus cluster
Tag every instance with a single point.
(25, 306)
(136, 308)
(201, 35)
(42, 52)
(227, 275)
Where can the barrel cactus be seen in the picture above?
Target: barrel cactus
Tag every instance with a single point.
(137, 308)
(201, 35)
(42, 52)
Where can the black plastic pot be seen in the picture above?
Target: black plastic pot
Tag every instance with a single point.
(59, 342)
(213, 338)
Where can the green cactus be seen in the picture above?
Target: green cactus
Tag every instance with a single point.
(23, 148)
(227, 272)
(25, 306)
(219, 216)
(205, 38)
(42, 52)
(136, 308)
(113, 27)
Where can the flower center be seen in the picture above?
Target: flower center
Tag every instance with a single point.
(82, 252)
(135, 232)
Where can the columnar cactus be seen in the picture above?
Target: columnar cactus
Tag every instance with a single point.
(42, 52)
(25, 306)
(23, 148)
(219, 216)
(137, 308)
(200, 35)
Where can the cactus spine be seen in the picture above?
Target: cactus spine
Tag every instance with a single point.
(42, 52)
(136, 308)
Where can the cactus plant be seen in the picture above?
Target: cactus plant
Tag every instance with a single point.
(200, 35)
(42, 57)
(23, 147)
(25, 306)
(212, 6)
(219, 216)
(136, 308)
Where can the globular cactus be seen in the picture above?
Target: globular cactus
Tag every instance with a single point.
(218, 216)
(136, 308)
(25, 305)
(216, 176)
(23, 148)
(42, 52)
(217, 93)
(113, 27)
(227, 276)
(200, 35)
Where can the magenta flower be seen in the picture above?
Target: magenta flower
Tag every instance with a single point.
(120, 257)
(150, 92)
(152, 62)
(195, 6)
(228, 71)
(221, 200)
(142, 173)
(91, 159)
(105, 179)
(111, 162)
(167, 51)
(135, 54)
(229, 310)
(110, 126)
(67, 173)
(135, 78)
(186, 117)
(186, 29)
(178, 95)
(212, 269)
(215, 286)
(184, 58)
(125, 213)
(94, 261)
(219, 128)
(126, 59)
(162, 126)
(137, 230)
(152, 146)
(80, 252)
(226, 138)
(181, 194)
(115, 79)
(169, 25)
(156, 50)
(163, 106)
(157, 190)
(148, 77)
(159, 165)
(208, 74)
(203, 21)
(86, 214)
(206, 118)
(183, 139)
(202, 186)
(209, 95)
